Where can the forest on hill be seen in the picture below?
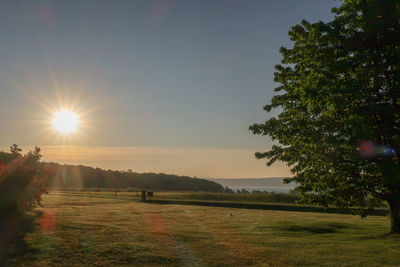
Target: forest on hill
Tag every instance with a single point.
(77, 176)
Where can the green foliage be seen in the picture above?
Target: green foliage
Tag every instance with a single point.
(228, 190)
(22, 180)
(339, 87)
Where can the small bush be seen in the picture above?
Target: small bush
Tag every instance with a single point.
(23, 180)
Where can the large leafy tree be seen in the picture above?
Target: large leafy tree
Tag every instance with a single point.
(339, 95)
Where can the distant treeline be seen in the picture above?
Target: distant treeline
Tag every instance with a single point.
(78, 176)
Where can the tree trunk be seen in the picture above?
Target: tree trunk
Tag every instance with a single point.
(394, 216)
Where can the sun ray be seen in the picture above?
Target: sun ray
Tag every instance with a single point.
(56, 97)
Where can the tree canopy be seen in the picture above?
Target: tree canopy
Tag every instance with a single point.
(339, 129)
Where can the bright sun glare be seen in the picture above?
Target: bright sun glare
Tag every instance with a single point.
(65, 122)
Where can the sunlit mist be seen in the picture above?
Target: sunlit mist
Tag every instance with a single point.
(65, 122)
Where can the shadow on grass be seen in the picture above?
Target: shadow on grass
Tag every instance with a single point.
(385, 236)
(279, 207)
(316, 228)
(13, 229)
(109, 196)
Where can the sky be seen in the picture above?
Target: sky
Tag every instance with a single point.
(158, 85)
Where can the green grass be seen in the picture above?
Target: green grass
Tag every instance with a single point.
(198, 196)
(99, 229)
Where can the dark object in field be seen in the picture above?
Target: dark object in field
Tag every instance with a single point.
(145, 193)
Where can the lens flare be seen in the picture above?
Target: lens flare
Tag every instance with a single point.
(368, 149)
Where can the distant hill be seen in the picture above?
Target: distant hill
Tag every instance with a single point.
(78, 176)
(252, 184)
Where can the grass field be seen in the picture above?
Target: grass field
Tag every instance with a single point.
(99, 229)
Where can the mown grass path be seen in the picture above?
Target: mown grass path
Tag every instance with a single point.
(99, 229)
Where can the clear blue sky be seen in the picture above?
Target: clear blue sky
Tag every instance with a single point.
(163, 74)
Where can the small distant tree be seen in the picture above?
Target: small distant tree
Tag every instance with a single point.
(228, 190)
(339, 96)
(243, 191)
(23, 179)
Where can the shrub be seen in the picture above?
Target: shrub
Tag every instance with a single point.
(23, 180)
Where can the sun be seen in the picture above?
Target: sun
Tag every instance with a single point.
(65, 122)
